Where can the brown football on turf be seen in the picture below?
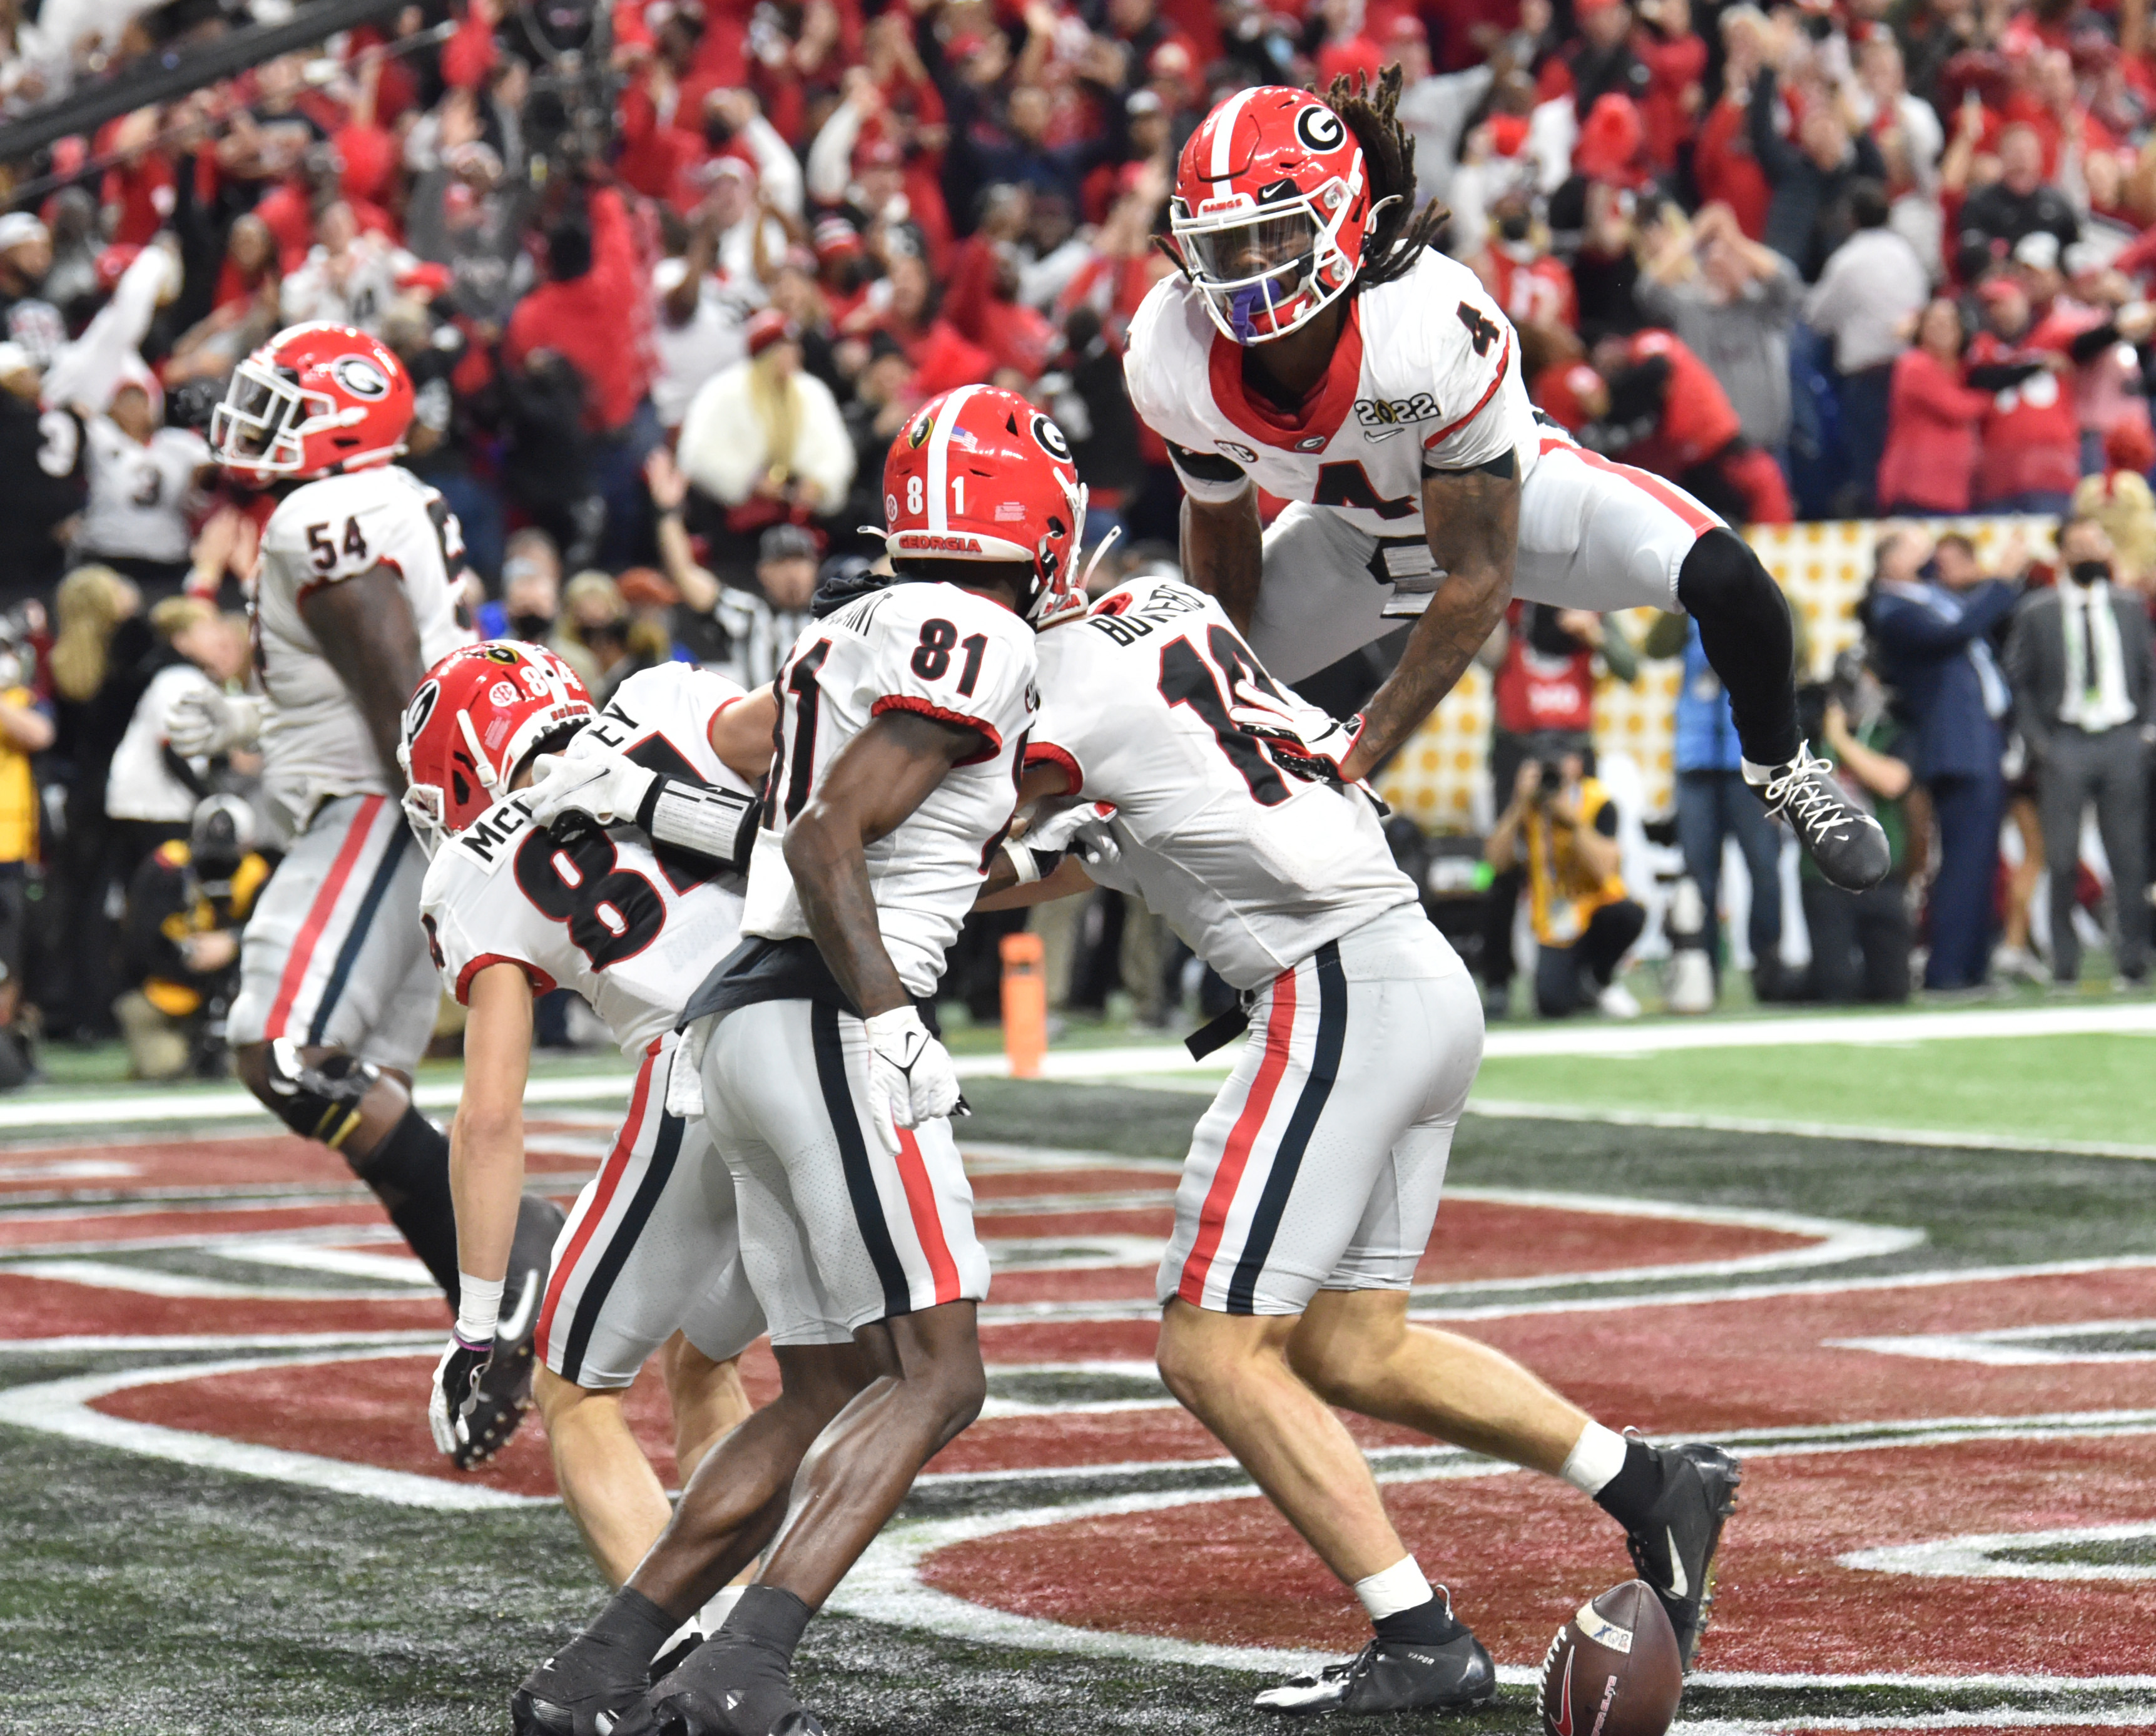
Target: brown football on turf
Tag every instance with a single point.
(1613, 1670)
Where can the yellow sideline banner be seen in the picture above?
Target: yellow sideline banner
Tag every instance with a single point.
(1439, 781)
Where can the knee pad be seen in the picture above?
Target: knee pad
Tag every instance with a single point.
(1719, 571)
(321, 1101)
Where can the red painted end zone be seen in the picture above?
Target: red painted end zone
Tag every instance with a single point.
(1517, 1549)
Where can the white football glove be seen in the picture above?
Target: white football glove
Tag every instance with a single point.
(601, 788)
(911, 1077)
(449, 1405)
(205, 721)
(1048, 838)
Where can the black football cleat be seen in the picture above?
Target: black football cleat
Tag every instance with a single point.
(1673, 1549)
(731, 1687)
(502, 1390)
(1846, 843)
(1389, 1678)
(590, 1688)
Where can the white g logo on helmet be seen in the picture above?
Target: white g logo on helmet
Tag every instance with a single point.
(360, 377)
(1051, 439)
(1319, 129)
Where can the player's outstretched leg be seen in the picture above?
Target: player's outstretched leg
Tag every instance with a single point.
(730, 1509)
(1357, 1350)
(366, 1115)
(1233, 1373)
(929, 1386)
(1745, 630)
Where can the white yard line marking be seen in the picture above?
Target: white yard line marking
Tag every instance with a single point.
(1998, 1717)
(1977, 1557)
(1515, 1109)
(62, 1408)
(1862, 1029)
(2011, 1346)
(149, 1281)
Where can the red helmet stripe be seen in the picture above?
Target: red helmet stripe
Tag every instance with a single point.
(939, 457)
(1224, 134)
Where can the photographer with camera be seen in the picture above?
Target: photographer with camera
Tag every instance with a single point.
(1561, 827)
(186, 907)
(1860, 941)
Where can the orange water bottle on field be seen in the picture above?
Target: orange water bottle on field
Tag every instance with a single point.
(1025, 1004)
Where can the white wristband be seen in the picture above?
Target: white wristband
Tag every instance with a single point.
(479, 1307)
(717, 823)
(1024, 862)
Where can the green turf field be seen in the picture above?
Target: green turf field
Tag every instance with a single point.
(141, 1597)
(2043, 1089)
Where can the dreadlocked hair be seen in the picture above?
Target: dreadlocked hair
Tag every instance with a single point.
(1399, 233)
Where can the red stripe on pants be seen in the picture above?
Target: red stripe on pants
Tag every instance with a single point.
(1700, 520)
(617, 1164)
(1220, 1198)
(927, 1226)
(318, 915)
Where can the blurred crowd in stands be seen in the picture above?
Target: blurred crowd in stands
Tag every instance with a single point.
(669, 274)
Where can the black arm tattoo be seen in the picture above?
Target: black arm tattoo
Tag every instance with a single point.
(1473, 520)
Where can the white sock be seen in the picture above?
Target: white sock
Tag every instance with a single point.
(1596, 1457)
(714, 1613)
(1399, 1587)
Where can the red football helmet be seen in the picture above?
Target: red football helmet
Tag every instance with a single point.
(472, 720)
(1272, 200)
(314, 401)
(979, 475)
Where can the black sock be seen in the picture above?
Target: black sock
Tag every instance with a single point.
(1429, 1624)
(1745, 630)
(770, 1617)
(409, 1172)
(1630, 1496)
(632, 1621)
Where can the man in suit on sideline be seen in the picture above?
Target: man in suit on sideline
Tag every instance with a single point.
(2084, 679)
(1931, 634)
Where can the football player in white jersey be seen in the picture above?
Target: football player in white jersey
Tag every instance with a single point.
(1312, 1183)
(355, 599)
(904, 718)
(649, 1255)
(1315, 346)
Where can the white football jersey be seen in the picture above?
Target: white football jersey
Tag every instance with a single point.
(1253, 864)
(315, 742)
(140, 494)
(1427, 373)
(944, 653)
(632, 928)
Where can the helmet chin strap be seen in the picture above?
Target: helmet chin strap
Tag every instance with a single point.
(1100, 552)
(490, 780)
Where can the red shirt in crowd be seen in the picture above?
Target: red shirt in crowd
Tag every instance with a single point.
(1536, 291)
(1535, 691)
(1697, 421)
(1726, 171)
(2031, 435)
(591, 320)
(1932, 436)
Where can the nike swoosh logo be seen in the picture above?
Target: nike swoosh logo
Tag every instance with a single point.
(1679, 1585)
(1563, 1724)
(512, 1328)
